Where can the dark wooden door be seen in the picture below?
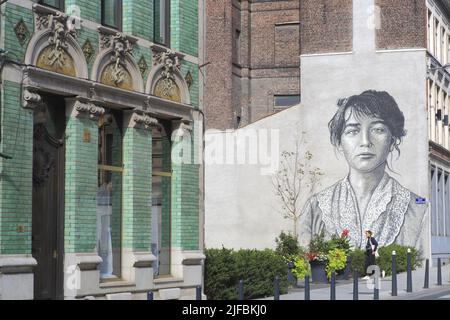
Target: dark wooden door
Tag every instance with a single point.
(47, 229)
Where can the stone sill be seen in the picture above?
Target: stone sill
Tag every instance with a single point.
(115, 283)
(167, 283)
(164, 280)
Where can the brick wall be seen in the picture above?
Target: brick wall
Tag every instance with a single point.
(194, 90)
(185, 195)
(241, 78)
(140, 52)
(326, 26)
(81, 157)
(11, 44)
(218, 87)
(81, 167)
(184, 26)
(16, 173)
(137, 189)
(138, 18)
(92, 36)
(403, 24)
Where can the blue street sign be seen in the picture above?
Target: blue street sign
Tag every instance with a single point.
(421, 200)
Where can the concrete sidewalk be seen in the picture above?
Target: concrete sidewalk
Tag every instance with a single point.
(344, 289)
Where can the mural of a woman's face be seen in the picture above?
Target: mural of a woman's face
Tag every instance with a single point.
(365, 142)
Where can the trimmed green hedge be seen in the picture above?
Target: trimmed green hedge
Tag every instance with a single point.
(258, 268)
(384, 261)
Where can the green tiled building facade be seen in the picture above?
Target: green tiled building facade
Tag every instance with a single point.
(100, 148)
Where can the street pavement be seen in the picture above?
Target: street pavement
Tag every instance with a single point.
(344, 289)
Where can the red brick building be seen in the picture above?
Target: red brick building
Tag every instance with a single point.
(252, 56)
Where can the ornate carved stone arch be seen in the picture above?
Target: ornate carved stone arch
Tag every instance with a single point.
(165, 79)
(53, 46)
(114, 65)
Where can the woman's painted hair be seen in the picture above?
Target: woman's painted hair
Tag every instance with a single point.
(373, 103)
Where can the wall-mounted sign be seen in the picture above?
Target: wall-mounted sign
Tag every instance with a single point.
(420, 200)
(86, 136)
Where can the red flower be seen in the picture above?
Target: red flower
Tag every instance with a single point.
(345, 233)
(311, 256)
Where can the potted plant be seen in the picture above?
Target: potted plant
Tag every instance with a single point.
(342, 242)
(337, 260)
(318, 264)
(288, 247)
(301, 268)
(317, 256)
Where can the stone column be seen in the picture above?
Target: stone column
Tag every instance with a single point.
(137, 200)
(186, 253)
(81, 260)
(16, 261)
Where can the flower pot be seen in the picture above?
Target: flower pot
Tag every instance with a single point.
(344, 273)
(318, 272)
(290, 276)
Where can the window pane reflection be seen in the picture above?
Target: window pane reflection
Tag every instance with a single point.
(161, 211)
(109, 195)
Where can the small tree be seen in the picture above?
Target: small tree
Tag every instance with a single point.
(294, 182)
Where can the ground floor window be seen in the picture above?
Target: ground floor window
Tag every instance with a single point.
(109, 195)
(161, 201)
(440, 202)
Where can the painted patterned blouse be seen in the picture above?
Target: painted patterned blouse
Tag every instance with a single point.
(392, 214)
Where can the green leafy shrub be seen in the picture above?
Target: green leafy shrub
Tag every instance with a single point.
(258, 268)
(336, 261)
(288, 247)
(384, 261)
(301, 268)
(358, 262)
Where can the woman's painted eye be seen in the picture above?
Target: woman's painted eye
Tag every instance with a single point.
(352, 132)
(379, 130)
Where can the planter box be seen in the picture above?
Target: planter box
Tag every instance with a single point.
(344, 273)
(318, 272)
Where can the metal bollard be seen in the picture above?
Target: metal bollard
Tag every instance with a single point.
(427, 274)
(307, 289)
(439, 273)
(355, 285)
(409, 272)
(198, 293)
(276, 284)
(376, 289)
(150, 295)
(394, 274)
(333, 286)
(241, 289)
